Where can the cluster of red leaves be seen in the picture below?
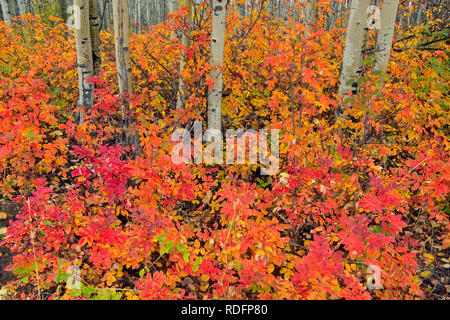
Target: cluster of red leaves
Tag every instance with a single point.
(147, 228)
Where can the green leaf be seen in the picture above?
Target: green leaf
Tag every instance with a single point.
(62, 277)
(168, 246)
(75, 293)
(197, 263)
(21, 271)
(85, 291)
(117, 296)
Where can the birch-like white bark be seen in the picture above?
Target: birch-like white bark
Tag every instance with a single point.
(6, 11)
(22, 7)
(216, 61)
(352, 61)
(311, 14)
(185, 38)
(173, 5)
(385, 35)
(84, 57)
(94, 26)
(122, 46)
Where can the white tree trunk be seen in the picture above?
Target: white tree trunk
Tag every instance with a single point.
(84, 56)
(181, 93)
(94, 27)
(22, 6)
(124, 75)
(354, 43)
(311, 14)
(216, 61)
(139, 16)
(385, 35)
(173, 5)
(6, 11)
(122, 46)
(61, 9)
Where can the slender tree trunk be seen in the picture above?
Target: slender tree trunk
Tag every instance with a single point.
(181, 93)
(84, 57)
(354, 43)
(123, 62)
(94, 25)
(173, 5)
(216, 61)
(61, 9)
(13, 8)
(110, 16)
(22, 7)
(385, 35)
(122, 46)
(333, 15)
(311, 14)
(139, 16)
(6, 11)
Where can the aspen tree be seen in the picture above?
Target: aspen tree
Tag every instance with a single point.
(122, 46)
(185, 38)
(139, 16)
(6, 11)
(352, 61)
(219, 8)
(94, 27)
(84, 57)
(61, 9)
(13, 8)
(123, 63)
(311, 14)
(385, 35)
(173, 5)
(22, 7)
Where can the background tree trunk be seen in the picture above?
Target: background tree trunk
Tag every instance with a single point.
(61, 9)
(181, 93)
(123, 62)
(354, 43)
(122, 46)
(13, 8)
(216, 61)
(385, 35)
(22, 6)
(311, 14)
(173, 5)
(84, 57)
(94, 26)
(6, 11)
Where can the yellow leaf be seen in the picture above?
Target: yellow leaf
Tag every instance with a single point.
(428, 258)
(204, 278)
(425, 274)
